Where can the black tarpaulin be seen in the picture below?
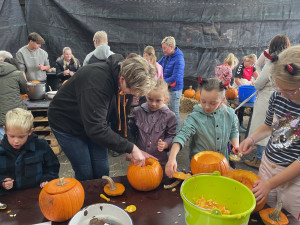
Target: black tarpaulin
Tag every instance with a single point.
(206, 31)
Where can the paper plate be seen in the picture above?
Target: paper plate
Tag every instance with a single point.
(109, 213)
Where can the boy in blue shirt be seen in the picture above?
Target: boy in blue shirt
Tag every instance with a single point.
(25, 160)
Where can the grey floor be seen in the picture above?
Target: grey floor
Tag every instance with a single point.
(118, 165)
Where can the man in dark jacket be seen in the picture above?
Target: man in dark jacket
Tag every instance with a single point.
(78, 113)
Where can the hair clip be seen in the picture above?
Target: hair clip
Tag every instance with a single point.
(268, 56)
(291, 68)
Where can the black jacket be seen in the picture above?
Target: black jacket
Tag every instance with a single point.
(80, 107)
(60, 68)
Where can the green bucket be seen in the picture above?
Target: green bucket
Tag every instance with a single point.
(225, 191)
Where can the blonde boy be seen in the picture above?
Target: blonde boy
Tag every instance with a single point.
(26, 160)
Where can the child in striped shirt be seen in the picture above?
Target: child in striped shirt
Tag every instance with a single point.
(280, 167)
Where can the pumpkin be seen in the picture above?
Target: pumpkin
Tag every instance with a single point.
(208, 162)
(112, 188)
(181, 175)
(61, 199)
(247, 178)
(231, 93)
(189, 93)
(36, 81)
(145, 178)
(272, 216)
(197, 96)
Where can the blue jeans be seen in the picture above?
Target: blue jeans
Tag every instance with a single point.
(174, 105)
(1, 133)
(88, 159)
(259, 151)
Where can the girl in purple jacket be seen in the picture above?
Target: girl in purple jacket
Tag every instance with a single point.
(152, 126)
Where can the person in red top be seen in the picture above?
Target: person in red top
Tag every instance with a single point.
(246, 70)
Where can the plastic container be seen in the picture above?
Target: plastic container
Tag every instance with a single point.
(245, 91)
(225, 191)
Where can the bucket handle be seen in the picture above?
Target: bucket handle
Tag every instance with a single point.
(217, 173)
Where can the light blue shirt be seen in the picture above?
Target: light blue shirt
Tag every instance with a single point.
(208, 132)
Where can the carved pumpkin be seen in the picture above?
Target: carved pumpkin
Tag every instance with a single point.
(189, 93)
(61, 199)
(197, 96)
(112, 188)
(208, 162)
(247, 178)
(273, 216)
(145, 178)
(232, 93)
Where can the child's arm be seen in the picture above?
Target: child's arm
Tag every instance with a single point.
(235, 143)
(50, 164)
(261, 188)
(255, 74)
(237, 81)
(261, 132)
(171, 165)
(169, 134)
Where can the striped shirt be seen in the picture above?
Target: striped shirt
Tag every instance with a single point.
(284, 145)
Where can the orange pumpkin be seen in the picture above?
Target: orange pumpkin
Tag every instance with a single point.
(247, 178)
(189, 93)
(273, 216)
(208, 162)
(197, 96)
(232, 93)
(61, 199)
(145, 178)
(36, 81)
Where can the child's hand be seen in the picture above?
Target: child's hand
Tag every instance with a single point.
(8, 184)
(261, 189)
(171, 167)
(43, 184)
(246, 146)
(162, 145)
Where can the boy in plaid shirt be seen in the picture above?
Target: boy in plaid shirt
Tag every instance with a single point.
(25, 160)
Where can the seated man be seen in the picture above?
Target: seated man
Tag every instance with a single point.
(32, 59)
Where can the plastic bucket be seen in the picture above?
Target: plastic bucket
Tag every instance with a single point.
(245, 91)
(225, 191)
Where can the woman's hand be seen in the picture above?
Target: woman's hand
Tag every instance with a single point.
(8, 184)
(261, 189)
(138, 156)
(171, 167)
(246, 146)
(71, 73)
(66, 72)
(162, 145)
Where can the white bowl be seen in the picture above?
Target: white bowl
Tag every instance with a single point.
(51, 94)
(109, 213)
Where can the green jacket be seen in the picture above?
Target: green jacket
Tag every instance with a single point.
(12, 85)
(208, 131)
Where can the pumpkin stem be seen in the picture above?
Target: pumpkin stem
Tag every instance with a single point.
(111, 183)
(275, 215)
(61, 182)
(191, 87)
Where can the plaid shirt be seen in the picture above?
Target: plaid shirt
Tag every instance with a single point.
(29, 166)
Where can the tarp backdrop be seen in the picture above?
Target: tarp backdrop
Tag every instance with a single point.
(206, 31)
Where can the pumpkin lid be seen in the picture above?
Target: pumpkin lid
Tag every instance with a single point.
(60, 185)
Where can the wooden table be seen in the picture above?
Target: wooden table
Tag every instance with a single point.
(159, 207)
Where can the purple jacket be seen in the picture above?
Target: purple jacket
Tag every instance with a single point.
(146, 128)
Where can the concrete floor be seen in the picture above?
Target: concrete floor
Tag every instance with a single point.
(118, 165)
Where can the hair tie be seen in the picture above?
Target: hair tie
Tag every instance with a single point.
(268, 56)
(275, 58)
(291, 68)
